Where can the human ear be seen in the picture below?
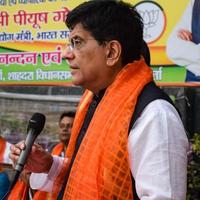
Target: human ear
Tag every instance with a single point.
(113, 52)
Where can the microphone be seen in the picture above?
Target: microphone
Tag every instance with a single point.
(35, 126)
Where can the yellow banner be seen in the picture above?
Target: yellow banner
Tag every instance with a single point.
(36, 29)
(159, 19)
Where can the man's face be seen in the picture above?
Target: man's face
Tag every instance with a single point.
(65, 127)
(86, 58)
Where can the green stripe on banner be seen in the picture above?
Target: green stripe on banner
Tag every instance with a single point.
(171, 73)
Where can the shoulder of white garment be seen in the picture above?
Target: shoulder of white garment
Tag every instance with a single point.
(158, 144)
(156, 108)
(156, 116)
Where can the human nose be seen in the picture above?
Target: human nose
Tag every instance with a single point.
(67, 53)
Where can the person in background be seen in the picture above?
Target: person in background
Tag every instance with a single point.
(4, 159)
(20, 191)
(64, 131)
(108, 156)
(183, 43)
(183, 47)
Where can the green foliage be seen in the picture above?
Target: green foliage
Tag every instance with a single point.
(196, 144)
(193, 187)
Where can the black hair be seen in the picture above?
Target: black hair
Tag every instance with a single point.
(146, 53)
(108, 20)
(67, 114)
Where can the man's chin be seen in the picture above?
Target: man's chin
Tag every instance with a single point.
(77, 80)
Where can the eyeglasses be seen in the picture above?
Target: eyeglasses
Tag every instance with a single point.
(77, 43)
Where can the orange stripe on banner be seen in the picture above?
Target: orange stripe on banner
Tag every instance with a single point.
(178, 84)
(159, 56)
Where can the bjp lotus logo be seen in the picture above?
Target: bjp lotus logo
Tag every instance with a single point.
(154, 20)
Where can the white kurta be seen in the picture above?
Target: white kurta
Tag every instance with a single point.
(157, 147)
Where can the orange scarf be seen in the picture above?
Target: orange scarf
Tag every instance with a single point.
(2, 149)
(101, 168)
(58, 149)
(19, 191)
